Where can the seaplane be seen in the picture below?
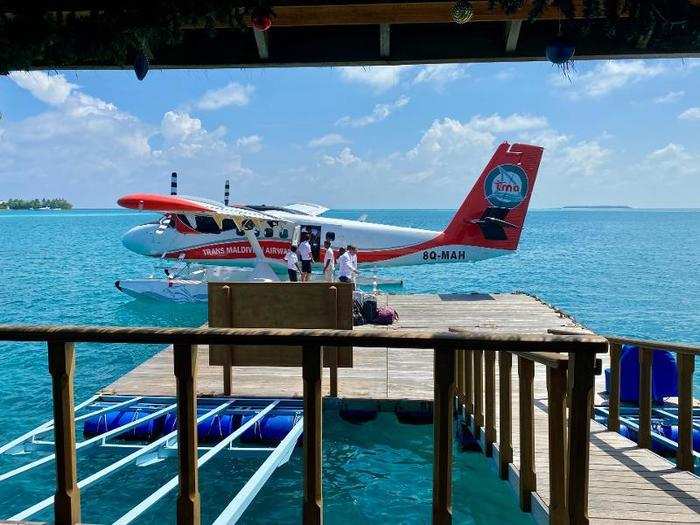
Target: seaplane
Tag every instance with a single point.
(239, 242)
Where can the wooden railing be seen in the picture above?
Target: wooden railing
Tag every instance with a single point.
(568, 438)
(581, 349)
(685, 358)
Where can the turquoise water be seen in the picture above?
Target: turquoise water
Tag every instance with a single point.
(630, 273)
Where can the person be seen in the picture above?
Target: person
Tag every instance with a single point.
(346, 265)
(328, 262)
(292, 264)
(353, 253)
(306, 256)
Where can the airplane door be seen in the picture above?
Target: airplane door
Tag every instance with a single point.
(314, 239)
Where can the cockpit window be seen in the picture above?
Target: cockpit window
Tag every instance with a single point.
(206, 224)
(184, 220)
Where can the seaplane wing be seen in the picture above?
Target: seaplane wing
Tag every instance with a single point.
(307, 208)
(183, 204)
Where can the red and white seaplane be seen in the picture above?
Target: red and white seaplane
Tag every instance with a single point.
(193, 230)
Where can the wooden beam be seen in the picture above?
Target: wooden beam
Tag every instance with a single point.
(556, 422)
(402, 13)
(67, 497)
(489, 401)
(313, 419)
(262, 41)
(614, 395)
(478, 392)
(512, 34)
(444, 388)
(645, 363)
(384, 40)
(468, 381)
(686, 368)
(526, 411)
(581, 370)
(505, 413)
(188, 505)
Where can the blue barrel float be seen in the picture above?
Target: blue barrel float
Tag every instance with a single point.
(146, 431)
(271, 429)
(664, 375)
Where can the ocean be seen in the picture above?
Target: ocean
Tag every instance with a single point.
(632, 272)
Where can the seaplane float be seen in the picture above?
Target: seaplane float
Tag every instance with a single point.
(222, 242)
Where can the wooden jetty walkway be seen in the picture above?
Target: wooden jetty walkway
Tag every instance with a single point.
(628, 484)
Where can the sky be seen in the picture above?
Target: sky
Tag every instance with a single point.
(615, 133)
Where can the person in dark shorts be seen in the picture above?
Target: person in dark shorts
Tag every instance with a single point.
(306, 256)
(292, 264)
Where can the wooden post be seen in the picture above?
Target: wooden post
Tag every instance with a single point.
(221, 316)
(614, 394)
(67, 497)
(686, 368)
(478, 393)
(528, 481)
(312, 358)
(505, 415)
(459, 372)
(556, 419)
(644, 434)
(581, 371)
(188, 508)
(333, 309)
(468, 381)
(490, 400)
(444, 386)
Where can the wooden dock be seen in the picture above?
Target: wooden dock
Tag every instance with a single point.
(627, 484)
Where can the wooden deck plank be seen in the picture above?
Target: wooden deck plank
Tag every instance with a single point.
(627, 484)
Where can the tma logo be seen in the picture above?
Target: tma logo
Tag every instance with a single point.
(506, 186)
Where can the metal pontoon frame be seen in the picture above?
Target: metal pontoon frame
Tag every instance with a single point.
(147, 454)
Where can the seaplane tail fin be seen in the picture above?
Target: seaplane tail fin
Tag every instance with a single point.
(493, 213)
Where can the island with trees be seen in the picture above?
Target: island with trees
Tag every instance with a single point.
(35, 204)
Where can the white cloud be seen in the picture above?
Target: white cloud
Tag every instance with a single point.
(606, 77)
(379, 113)
(440, 74)
(379, 78)
(89, 151)
(514, 122)
(345, 158)
(233, 94)
(53, 90)
(330, 139)
(177, 125)
(671, 96)
(251, 143)
(690, 114)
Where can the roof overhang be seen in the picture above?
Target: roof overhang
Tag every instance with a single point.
(307, 33)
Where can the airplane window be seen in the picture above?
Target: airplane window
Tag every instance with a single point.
(184, 220)
(206, 224)
(228, 225)
(284, 233)
(268, 232)
(330, 236)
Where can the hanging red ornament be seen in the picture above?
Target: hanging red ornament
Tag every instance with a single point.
(261, 18)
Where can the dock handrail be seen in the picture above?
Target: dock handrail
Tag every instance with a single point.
(581, 349)
(685, 359)
(568, 471)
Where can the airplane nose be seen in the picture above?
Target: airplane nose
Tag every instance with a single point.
(140, 239)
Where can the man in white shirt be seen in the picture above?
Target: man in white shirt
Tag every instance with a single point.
(328, 262)
(306, 256)
(292, 264)
(347, 268)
